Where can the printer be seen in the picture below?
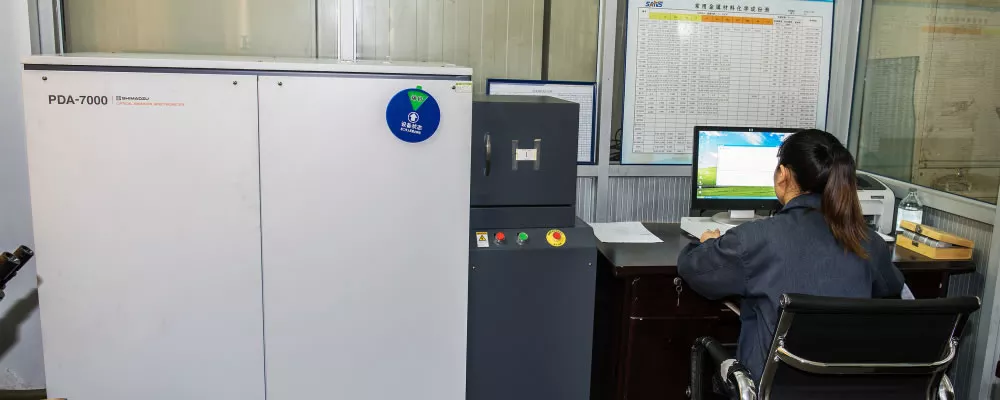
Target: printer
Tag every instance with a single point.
(878, 204)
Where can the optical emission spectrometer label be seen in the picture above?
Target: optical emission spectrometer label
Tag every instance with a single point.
(413, 115)
(463, 87)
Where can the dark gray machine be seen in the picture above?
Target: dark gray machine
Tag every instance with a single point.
(532, 262)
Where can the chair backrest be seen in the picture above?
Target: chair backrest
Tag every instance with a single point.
(831, 348)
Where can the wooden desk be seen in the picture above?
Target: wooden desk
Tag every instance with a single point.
(647, 318)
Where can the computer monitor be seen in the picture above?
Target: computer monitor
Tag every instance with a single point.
(733, 169)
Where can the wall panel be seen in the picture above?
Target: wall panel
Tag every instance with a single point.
(965, 285)
(586, 196)
(649, 199)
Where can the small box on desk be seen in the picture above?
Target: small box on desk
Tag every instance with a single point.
(933, 243)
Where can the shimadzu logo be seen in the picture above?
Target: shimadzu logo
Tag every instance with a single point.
(144, 101)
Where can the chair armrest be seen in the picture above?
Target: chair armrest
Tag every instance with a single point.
(736, 377)
(732, 307)
(745, 388)
(945, 390)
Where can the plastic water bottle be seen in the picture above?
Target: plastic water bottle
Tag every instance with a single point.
(910, 209)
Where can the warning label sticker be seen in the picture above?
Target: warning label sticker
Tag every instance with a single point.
(482, 239)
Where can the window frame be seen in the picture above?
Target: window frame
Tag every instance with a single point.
(987, 341)
(959, 205)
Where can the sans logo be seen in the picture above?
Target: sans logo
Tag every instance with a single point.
(654, 4)
(413, 115)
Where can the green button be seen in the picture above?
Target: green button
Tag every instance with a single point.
(522, 237)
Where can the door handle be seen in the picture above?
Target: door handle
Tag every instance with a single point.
(489, 154)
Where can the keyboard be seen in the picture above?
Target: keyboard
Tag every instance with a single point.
(695, 226)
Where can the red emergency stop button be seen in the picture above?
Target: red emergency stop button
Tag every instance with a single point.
(556, 238)
(500, 237)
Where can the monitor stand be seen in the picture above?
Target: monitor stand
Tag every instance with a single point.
(735, 217)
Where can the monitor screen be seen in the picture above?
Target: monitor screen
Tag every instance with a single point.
(737, 164)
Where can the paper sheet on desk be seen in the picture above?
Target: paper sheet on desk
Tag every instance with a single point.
(907, 294)
(623, 232)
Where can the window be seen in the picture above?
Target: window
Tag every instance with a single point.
(554, 40)
(927, 106)
(227, 27)
(516, 39)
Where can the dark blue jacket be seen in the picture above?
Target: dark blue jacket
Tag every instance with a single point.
(791, 252)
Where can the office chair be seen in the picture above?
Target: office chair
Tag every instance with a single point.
(838, 348)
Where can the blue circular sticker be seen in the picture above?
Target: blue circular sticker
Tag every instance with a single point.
(413, 115)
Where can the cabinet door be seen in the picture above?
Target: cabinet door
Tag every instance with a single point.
(657, 363)
(147, 226)
(365, 240)
(927, 284)
(530, 319)
(550, 126)
(658, 297)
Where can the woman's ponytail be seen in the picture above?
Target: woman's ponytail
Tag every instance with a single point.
(822, 165)
(841, 208)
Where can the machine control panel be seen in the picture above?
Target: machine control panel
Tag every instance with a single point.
(528, 238)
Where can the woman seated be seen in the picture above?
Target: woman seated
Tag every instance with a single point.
(818, 244)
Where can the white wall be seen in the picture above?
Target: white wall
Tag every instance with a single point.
(20, 331)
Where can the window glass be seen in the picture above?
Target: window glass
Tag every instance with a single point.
(223, 27)
(554, 40)
(515, 39)
(927, 110)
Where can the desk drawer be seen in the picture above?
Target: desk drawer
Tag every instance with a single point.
(927, 284)
(656, 296)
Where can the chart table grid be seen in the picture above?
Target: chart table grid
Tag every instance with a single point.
(721, 68)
